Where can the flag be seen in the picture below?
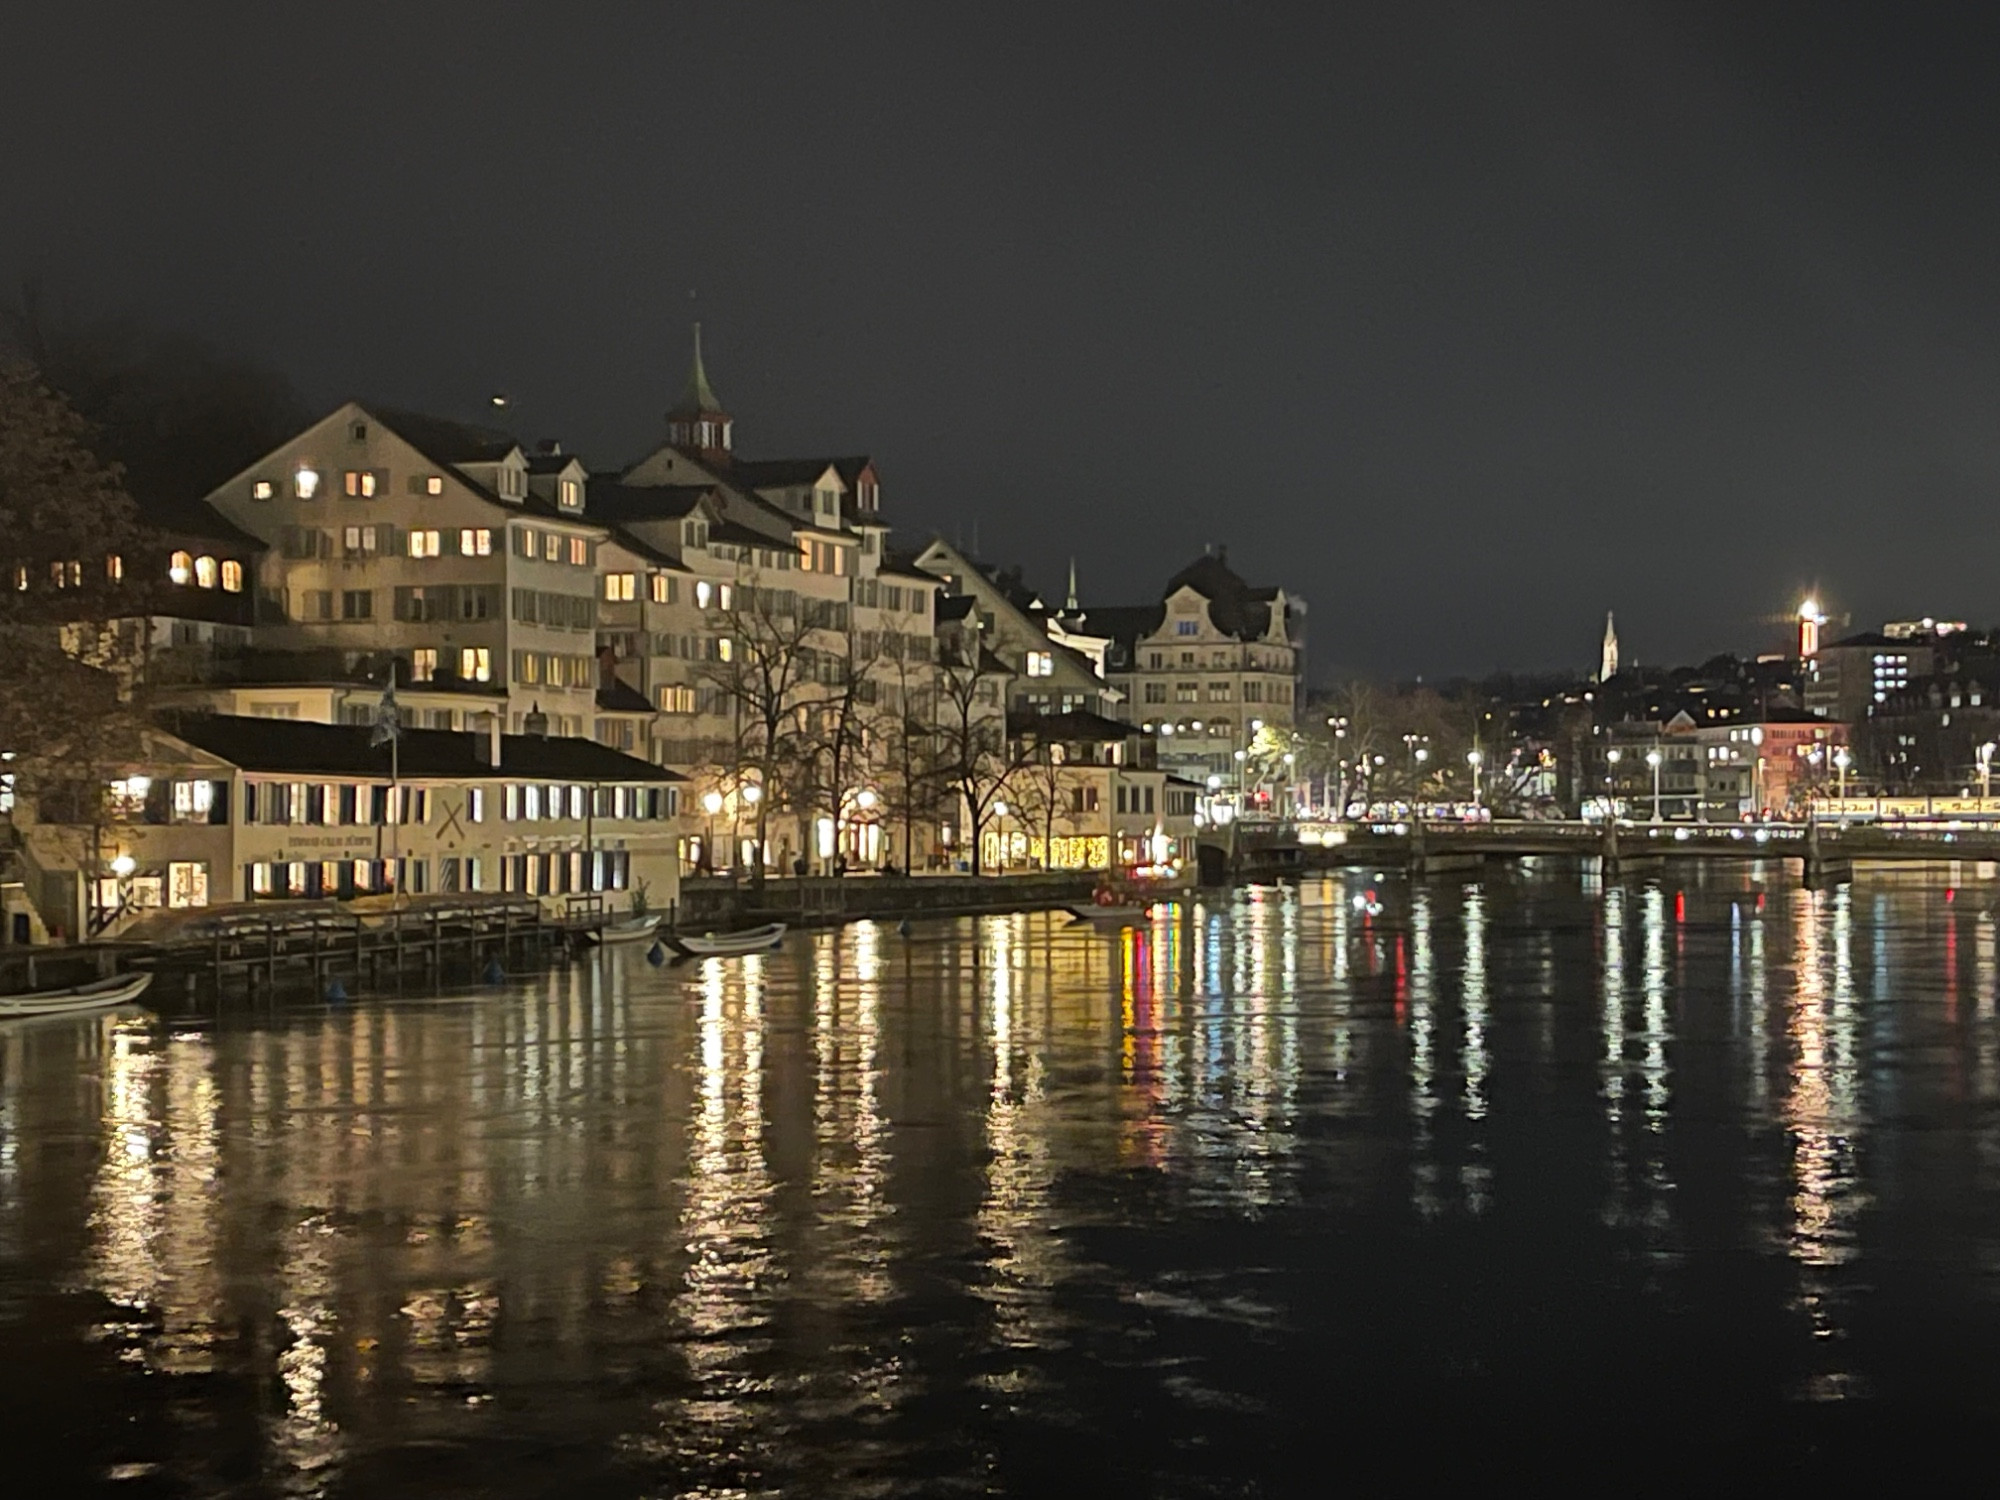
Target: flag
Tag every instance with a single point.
(388, 718)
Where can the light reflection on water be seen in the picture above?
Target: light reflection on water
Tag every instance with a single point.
(879, 1214)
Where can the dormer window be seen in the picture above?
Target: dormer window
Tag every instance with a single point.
(695, 534)
(869, 496)
(571, 494)
(829, 502)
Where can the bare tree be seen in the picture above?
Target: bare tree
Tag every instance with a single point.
(970, 748)
(764, 675)
(840, 717)
(905, 732)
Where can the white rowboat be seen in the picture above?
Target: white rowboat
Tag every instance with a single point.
(730, 944)
(99, 994)
(636, 930)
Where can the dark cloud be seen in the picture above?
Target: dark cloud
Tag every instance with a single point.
(1467, 321)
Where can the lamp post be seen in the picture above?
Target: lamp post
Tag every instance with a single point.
(1611, 757)
(1653, 760)
(1000, 833)
(1473, 759)
(1986, 772)
(1841, 761)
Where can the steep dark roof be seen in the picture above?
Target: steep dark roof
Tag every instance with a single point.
(1235, 607)
(785, 473)
(1124, 623)
(297, 747)
(444, 441)
(551, 463)
(622, 698)
(194, 518)
(1079, 725)
(611, 501)
(646, 550)
(953, 607)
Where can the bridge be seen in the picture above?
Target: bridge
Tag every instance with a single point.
(1826, 852)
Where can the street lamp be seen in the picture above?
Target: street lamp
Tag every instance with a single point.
(1473, 759)
(1653, 760)
(1842, 760)
(1000, 834)
(1611, 758)
(1986, 772)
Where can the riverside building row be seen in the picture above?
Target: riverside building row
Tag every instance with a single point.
(743, 629)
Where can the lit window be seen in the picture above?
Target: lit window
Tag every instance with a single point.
(204, 572)
(262, 489)
(423, 664)
(703, 593)
(572, 495)
(1041, 664)
(424, 543)
(475, 664)
(21, 579)
(232, 577)
(663, 588)
(360, 484)
(725, 649)
(579, 552)
(114, 568)
(305, 483)
(475, 541)
(620, 587)
(360, 539)
(724, 596)
(552, 548)
(475, 803)
(180, 568)
(434, 484)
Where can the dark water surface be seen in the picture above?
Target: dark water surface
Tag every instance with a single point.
(1519, 1177)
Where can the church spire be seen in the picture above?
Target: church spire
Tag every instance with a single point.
(1069, 601)
(697, 421)
(1607, 666)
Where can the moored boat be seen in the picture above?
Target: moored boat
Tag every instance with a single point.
(633, 930)
(1110, 914)
(728, 944)
(99, 994)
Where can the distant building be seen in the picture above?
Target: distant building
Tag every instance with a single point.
(1208, 668)
(1846, 678)
(1607, 661)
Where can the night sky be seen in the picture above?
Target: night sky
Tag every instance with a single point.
(1467, 322)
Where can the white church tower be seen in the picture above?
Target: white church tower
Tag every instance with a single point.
(1607, 665)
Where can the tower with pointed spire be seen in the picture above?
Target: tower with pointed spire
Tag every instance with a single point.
(1069, 599)
(1607, 665)
(697, 423)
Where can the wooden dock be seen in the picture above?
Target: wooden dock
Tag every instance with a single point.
(261, 951)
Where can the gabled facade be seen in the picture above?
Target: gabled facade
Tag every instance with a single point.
(1213, 665)
(392, 535)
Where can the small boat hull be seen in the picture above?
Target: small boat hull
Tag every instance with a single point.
(636, 931)
(101, 994)
(1110, 914)
(728, 944)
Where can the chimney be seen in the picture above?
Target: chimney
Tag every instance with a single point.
(550, 447)
(536, 723)
(487, 750)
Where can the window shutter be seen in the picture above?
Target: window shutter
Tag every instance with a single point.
(218, 802)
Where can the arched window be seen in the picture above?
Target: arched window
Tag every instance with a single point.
(232, 576)
(180, 567)
(204, 572)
